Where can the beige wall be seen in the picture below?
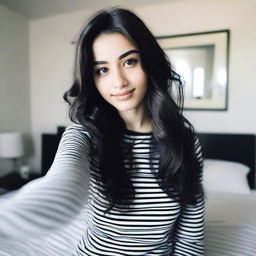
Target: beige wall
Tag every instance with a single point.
(14, 78)
(51, 61)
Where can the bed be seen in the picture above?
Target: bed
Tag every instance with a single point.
(230, 216)
(229, 182)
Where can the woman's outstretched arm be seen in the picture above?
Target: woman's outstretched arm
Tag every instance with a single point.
(53, 200)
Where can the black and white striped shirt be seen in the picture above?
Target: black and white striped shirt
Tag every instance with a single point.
(154, 224)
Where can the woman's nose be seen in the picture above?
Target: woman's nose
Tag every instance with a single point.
(119, 79)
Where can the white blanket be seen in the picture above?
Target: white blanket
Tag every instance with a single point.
(230, 225)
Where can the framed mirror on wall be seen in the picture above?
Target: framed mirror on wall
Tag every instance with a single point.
(202, 59)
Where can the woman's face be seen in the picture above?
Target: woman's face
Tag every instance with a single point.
(118, 74)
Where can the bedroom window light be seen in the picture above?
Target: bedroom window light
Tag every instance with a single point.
(198, 82)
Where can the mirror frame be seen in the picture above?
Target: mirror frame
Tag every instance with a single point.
(219, 41)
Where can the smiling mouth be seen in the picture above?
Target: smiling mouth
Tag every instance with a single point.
(124, 95)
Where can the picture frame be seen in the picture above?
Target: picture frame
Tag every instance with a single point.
(202, 60)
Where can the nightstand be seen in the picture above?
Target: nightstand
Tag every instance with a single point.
(14, 180)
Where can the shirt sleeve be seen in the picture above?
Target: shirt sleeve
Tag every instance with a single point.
(50, 202)
(189, 233)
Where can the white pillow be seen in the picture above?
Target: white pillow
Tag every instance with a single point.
(221, 176)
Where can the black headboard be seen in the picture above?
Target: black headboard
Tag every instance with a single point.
(50, 144)
(233, 147)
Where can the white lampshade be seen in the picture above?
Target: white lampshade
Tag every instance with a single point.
(11, 145)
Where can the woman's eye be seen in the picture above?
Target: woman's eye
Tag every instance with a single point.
(130, 62)
(101, 71)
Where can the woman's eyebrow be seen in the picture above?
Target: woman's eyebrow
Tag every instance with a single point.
(126, 54)
(120, 57)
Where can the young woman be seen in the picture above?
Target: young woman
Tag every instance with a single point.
(130, 155)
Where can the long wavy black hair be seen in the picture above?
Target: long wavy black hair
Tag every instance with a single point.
(179, 168)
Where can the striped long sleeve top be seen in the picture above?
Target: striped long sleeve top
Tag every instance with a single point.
(154, 223)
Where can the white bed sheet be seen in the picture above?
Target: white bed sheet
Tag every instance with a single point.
(230, 224)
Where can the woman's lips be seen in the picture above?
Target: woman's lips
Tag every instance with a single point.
(124, 95)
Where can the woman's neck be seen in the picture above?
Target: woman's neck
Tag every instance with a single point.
(137, 121)
(143, 126)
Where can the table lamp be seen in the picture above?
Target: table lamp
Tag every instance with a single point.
(11, 147)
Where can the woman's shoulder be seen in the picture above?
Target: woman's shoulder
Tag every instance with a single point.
(77, 129)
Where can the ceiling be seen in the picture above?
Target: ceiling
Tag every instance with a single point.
(34, 9)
